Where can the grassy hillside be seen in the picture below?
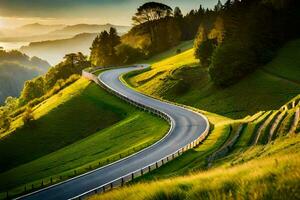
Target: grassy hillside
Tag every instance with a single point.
(80, 128)
(179, 78)
(222, 166)
(276, 176)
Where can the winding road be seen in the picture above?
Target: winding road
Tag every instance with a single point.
(186, 126)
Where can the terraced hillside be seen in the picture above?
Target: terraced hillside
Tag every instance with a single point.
(180, 79)
(80, 128)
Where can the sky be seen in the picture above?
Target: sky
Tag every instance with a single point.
(15, 13)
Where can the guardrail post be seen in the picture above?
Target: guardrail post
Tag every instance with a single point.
(156, 165)
(111, 185)
(103, 188)
(162, 161)
(142, 172)
(122, 181)
(149, 167)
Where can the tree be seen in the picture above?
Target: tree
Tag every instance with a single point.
(127, 54)
(173, 33)
(33, 89)
(205, 51)
(219, 6)
(151, 11)
(27, 116)
(177, 13)
(80, 57)
(115, 40)
(230, 62)
(200, 38)
(11, 103)
(103, 52)
(114, 37)
(4, 120)
(70, 58)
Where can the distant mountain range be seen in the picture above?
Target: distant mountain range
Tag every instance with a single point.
(39, 32)
(54, 50)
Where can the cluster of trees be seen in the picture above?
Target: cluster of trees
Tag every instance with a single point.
(157, 27)
(73, 63)
(11, 103)
(245, 35)
(103, 50)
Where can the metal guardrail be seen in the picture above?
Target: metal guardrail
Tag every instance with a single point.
(130, 176)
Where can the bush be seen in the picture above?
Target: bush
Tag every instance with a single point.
(28, 116)
(4, 121)
(127, 54)
(230, 62)
(204, 51)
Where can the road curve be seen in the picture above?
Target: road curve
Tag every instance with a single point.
(186, 127)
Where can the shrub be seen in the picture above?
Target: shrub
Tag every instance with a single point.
(205, 50)
(230, 62)
(4, 121)
(28, 116)
(127, 54)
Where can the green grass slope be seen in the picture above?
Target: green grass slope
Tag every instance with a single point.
(253, 142)
(179, 78)
(266, 170)
(80, 128)
(276, 176)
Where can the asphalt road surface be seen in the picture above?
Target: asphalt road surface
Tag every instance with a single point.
(186, 127)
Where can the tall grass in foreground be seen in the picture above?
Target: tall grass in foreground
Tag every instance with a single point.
(275, 174)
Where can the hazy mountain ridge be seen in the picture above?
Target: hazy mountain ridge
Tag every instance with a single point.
(89, 28)
(38, 32)
(15, 69)
(54, 50)
(12, 78)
